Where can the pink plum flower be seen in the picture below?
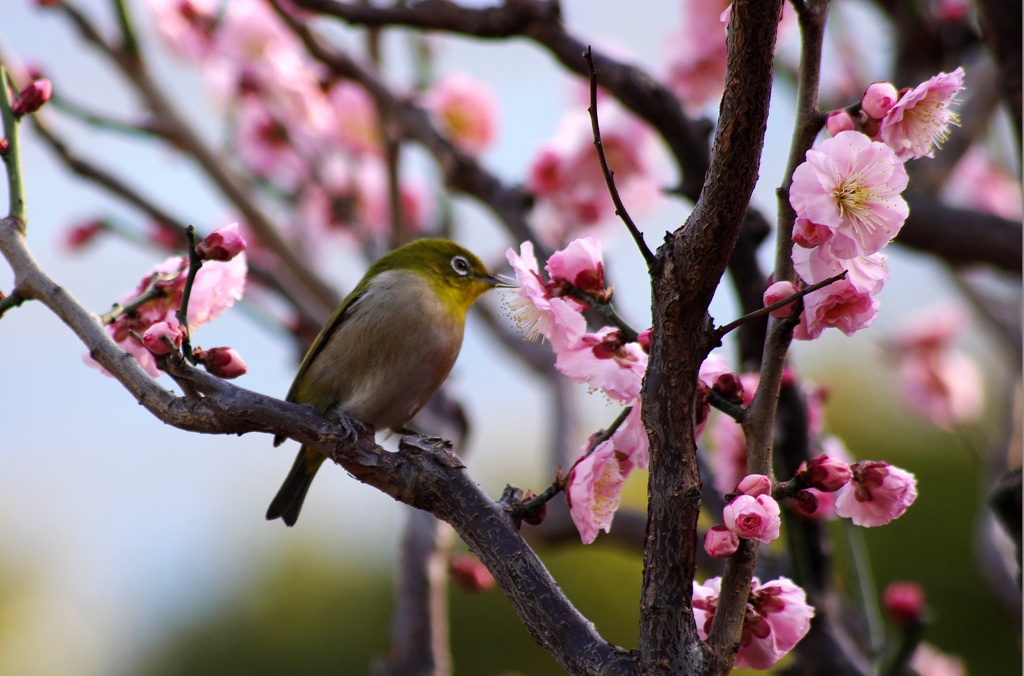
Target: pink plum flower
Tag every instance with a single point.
(32, 97)
(720, 542)
(631, 442)
(580, 264)
(847, 304)
(605, 361)
(534, 308)
(979, 182)
(920, 120)
(593, 491)
(356, 125)
(876, 494)
(186, 26)
(814, 504)
(695, 55)
(753, 518)
(851, 185)
(777, 617)
(467, 110)
(825, 473)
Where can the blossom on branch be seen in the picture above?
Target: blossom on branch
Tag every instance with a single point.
(753, 518)
(920, 120)
(777, 617)
(851, 185)
(535, 309)
(605, 361)
(593, 490)
(876, 494)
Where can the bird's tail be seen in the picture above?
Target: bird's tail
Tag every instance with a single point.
(288, 502)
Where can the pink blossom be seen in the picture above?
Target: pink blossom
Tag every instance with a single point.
(533, 307)
(840, 305)
(566, 175)
(593, 491)
(927, 660)
(979, 182)
(695, 55)
(631, 442)
(837, 121)
(467, 110)
(186, 26)
(223, 362)
(920, 120)
(580, 264)
(809, 235)
(720, 542)
(222, 245)
(942, 385)
(878, 99)
(217, 286)
(777, 292)
(815, 504)
(264, 144)
(163, 337)
(851, 185)
(876, 494)
(777, 617)
(32, 97)
(753, 518)
(356, 124)
(867, 274)
(605, 361)
(373, 206)
(754, 485)
(713, 366)
(903, 603)
(644, 338)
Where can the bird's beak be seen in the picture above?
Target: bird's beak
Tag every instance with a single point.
(500, 282)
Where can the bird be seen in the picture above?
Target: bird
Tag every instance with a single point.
(386, 349)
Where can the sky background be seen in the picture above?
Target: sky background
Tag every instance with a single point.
(115, 527)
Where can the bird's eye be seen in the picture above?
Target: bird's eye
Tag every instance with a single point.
(460, 265)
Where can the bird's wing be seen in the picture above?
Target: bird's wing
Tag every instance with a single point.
(343, 312)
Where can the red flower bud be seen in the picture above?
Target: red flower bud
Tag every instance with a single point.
(535, 516)
(82, 234)
(826, 474)
(645, 340)
(223, 362)
(32, 97)
(729, 386)
(163, 337)
(904, 603)
(222, 245)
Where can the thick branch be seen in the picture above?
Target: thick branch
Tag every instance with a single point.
(689, 267)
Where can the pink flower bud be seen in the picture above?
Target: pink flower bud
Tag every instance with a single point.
(837, 121)
(222, 245)
(904, 603)
(876, 494)
(644, 339)
(4, 145)
(808, 235)
(535, 516)
(32, 97)
(729, 386)
(754, 485)
(806, 502)
(780, 291)
(826, 474)
(155, 335)
(720, 542)
(753, 518)
(223, 362)
(467, 572)
(878, 98)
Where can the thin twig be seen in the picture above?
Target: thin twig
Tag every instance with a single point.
(194, 263)
(609, 177)
(721, 331)
(12, 156)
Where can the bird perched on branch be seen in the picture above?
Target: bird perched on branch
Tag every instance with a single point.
(386, 349)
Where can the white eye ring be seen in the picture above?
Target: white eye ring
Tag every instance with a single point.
(460, 265)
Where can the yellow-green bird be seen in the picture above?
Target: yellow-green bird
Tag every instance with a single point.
(387, 348)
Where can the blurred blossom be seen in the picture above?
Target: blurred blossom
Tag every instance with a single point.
(904, 603)
(920, 120)
(185, 26)
(264, 145)
(469, 573)
(695, 55)
(977, 182)
(566, 174)
(81, 235)
(927, 660)
(942, 385)
(373, 201)
(355, 123)
(467, 111)
(776, 619)
(838, 121)
(876, 494)
(32, 97)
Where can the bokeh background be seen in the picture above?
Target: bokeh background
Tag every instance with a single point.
(128, 547)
